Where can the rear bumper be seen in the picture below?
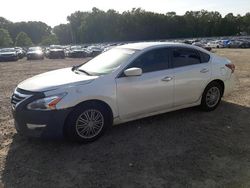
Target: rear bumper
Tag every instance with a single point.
(229, 85)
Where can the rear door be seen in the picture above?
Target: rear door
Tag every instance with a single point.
(191, 72)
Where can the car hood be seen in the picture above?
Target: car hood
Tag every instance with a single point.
(56, 50)
(8, 53)
(54, 79)
(35, 52)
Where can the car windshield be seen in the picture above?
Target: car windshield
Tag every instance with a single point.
(107, 62)
(7, 50)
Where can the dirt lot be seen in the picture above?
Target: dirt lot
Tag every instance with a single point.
(186, 148)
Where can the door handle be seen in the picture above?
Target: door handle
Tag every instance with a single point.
(204, 70)
(166, 79)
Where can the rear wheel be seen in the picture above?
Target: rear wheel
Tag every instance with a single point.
(88, 122)
(211, 96)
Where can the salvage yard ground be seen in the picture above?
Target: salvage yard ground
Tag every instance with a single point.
(186, 148)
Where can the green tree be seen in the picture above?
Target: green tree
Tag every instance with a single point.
(49, 40)
(23, 40)
(35, 30)
(63, 33)
(5, 39)
(4, 23)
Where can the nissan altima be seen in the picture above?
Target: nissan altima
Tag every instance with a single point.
(125, 83)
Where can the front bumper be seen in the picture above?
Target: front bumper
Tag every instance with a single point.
(36, 123)
(76, 54)
(56, 54)
(35, 56)
(41, 124)
(8, 58)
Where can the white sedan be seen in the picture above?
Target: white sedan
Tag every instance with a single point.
(123, 84)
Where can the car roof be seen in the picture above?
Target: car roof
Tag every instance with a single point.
(146, 45)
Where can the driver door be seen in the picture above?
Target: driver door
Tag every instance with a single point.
(152, 91)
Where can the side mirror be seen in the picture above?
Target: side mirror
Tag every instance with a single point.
(134, 71)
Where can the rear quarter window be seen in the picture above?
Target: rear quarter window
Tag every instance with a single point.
(204, 57)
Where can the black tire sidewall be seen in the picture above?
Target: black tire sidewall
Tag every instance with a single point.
(204, 105)
(70, 126)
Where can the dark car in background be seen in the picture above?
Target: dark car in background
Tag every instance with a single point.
(55, 52)
(78, 52)
(35, 53)
(94, 50)
(8, 54)
(239, 43)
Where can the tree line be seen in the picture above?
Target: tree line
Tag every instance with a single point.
(136, 24)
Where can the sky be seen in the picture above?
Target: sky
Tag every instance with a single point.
(54, 12)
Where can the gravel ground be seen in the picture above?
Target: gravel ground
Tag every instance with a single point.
(186, 148)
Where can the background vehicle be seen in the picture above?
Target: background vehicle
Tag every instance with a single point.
(35, 53)
(55, 52)
(94, 50)
(215, 44)
(20, 52)
(8, 54)
(77, 52)
(202, 45)
(123, 84)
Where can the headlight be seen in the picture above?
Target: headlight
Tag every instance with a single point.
(47, 103)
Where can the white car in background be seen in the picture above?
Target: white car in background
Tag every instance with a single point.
(125, 83)
(215, 44)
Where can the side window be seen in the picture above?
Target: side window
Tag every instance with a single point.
(204, 57)
(153, 60)
(184, 57)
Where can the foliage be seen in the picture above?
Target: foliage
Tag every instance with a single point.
(23, 40)
(63, 32)
(136, 24)
(49, 40)
(35, 30)
(5, 39)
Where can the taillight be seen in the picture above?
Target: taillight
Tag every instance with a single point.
(231, 66)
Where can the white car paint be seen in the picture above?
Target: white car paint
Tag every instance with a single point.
(135, 97)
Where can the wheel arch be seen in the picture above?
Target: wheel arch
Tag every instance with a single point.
(222, 84)
(90, 101)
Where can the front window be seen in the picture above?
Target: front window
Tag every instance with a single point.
(153, 60)
(107, 62)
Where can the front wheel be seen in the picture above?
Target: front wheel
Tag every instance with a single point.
(211, 96)
(87, 122)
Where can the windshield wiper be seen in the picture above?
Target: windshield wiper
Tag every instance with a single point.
(84, 71)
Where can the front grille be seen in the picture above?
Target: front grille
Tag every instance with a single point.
(18, 96)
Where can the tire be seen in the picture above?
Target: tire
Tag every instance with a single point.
(211, 96)
(78, 124)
